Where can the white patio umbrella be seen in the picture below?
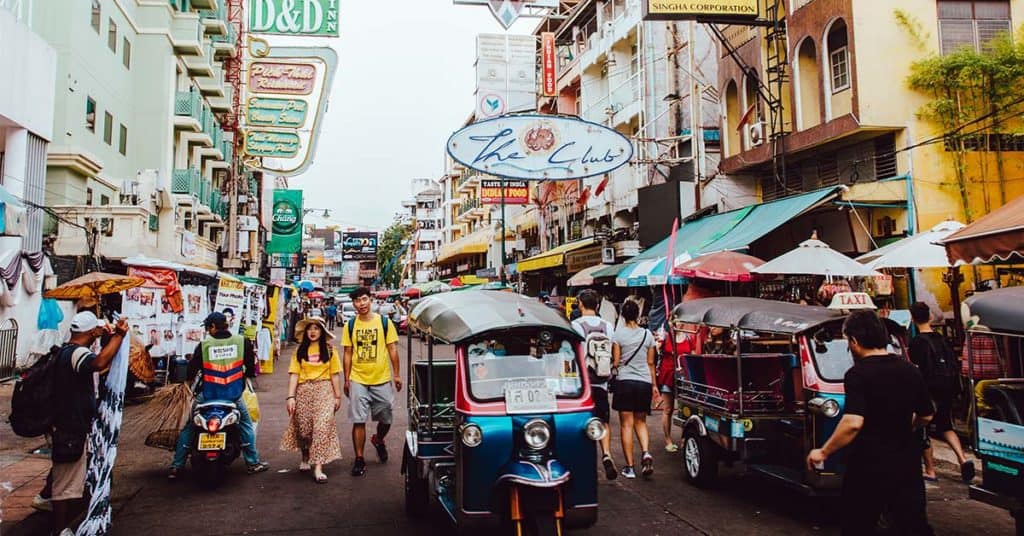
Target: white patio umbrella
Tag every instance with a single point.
(814, 257)
(922, 250)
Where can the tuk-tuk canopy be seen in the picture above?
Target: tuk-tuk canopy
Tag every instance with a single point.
(754, 314)
(456, 316)
(999, 310)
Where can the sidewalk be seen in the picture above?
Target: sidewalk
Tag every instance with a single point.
(23, 473)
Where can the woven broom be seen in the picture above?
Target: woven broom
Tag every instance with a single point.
(162, 418)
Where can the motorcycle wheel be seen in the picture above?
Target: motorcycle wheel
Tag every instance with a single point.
(210, 475)
(416, 493)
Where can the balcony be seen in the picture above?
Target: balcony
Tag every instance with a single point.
(202, 4)
(470, 208)
(123, 231)
(468, 182)
(225, 102)
(215, 20)
(224, 44)
(189, 184)
(200, 64)
(186, 33)
(182, 6)
(188, 109)
(619, 105)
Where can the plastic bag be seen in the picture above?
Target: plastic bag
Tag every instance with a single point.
(50, 315)
(251, 402)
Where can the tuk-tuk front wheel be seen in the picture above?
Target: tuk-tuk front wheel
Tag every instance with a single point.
(417, 500)
(700, 459)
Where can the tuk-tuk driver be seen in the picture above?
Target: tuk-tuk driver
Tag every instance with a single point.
(886, 402)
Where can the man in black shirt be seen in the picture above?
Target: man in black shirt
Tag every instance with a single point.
(886, 402)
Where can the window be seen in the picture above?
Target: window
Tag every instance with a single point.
(88, 196)
(95, 15)
(840, 65)
(122, 146)
(108, 128)
(90, 114)
(104, 200)
(972, 23)
(112, 36)
(126, 53)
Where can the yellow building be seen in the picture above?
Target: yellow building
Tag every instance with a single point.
(850, 118)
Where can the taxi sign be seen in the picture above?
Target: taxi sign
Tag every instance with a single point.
(851, 301)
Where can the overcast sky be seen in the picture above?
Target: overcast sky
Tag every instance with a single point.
(404, 83)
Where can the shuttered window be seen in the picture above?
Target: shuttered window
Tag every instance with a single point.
(972, 23)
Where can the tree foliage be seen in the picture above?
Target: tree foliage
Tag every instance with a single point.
(390, 243)
(973, 95)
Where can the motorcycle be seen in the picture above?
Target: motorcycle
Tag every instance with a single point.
(217, 440)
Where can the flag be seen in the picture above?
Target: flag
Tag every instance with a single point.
(584, 197)
(600, 187)
(746, 117)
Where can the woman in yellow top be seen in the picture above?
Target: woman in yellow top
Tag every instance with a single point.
(314, 396)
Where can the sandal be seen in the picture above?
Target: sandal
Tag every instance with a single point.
(320, 478)
(304, 466)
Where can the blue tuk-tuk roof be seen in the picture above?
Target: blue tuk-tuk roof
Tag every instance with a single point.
(456, 316)
(1000, 310)
(754, 314)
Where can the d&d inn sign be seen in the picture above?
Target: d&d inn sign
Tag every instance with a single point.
(540, 147)
(294, 17)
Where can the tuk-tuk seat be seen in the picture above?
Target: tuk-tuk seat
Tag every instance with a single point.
(1006, 401)
(712, 378)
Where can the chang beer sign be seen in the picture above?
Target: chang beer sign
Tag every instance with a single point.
(286, 227)
(294, 17)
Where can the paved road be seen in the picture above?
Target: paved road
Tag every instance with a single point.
(284, 501)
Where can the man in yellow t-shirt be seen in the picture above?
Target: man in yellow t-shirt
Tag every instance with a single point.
(371, 367)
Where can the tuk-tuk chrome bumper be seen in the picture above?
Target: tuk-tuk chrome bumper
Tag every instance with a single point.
(549, 475)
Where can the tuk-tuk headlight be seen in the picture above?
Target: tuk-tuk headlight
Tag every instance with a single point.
(472, 435)
(536, 433)
(595, 429)
(827, 407)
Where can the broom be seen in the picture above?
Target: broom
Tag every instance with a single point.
(162, 418)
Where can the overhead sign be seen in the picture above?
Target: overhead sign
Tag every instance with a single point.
(516, 192)
(359, 246)
(270, 112)
(547, 57)
(289, 78)
(584, 258)
(703, 10)
(271, 143)
(490, 105)
(507, 12)
(286, 227)
(540, 147)
(506, 74)
(294, 17)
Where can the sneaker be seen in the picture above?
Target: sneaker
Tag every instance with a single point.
(257, 467)
(382, 451)
(647, 465)
(609, 468)
(173, 474)
(359, 467)
(41, 504)
(967, 471)
(628, 472)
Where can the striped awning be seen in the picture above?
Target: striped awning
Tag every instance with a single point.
(472, 244)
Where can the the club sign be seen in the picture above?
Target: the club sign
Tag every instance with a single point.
(540, 147)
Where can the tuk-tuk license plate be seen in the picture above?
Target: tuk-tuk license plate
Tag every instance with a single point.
(529, 396)
(213, 441)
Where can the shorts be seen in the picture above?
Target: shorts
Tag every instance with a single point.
(942, 421)
(69, 478)
(366, 401)
(601, 409)
(632, 395)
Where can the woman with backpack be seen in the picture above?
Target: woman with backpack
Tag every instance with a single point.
(635, 386)
(938, 364)
(314, 396)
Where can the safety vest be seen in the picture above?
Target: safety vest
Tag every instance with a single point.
(223, 376)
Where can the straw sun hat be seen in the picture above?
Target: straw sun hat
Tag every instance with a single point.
(300, 328)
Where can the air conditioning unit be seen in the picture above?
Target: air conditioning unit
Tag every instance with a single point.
(755, 133)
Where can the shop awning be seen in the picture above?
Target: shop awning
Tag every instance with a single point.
(586, 276)
(552, 257)
(611, 270)
(471, 244)
(468, 279)
(733, 230)
(996, 237)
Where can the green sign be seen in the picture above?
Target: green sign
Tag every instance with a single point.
(294, 17)
(286, 229)
(266, 112)
(271, 143)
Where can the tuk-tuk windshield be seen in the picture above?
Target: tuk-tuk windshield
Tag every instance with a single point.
(491, 370)
(833, 358)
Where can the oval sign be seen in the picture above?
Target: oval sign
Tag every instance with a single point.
(540, 147)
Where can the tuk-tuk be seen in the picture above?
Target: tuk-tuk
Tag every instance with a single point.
(995, 327)
(764, 387)
(504, 434)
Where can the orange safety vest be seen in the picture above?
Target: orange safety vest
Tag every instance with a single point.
(223, 373)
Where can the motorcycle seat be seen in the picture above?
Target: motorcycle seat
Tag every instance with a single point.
(217, 403)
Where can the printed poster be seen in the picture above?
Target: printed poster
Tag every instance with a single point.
(231, 302)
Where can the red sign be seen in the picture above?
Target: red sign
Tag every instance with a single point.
(290, 78)
(547, 40)
(516, 192)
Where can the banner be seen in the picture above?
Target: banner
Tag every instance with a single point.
(294, 17)
(547, 55)
(359, 246)
(706, 11)
(516, 192)
(231, 302)
(164, 279)
(286, 230)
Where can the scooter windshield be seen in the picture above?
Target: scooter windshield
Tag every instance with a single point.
(490, 374)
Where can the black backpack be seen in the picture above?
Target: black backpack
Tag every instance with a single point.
(943, 368)
(33, 404)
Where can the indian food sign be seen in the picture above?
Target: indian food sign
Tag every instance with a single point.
(703, 10)
(540, 147)
(516, 192)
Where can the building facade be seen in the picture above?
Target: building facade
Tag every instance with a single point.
(424, 213)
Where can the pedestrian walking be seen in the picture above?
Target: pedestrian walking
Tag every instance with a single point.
(314, 396)
(635, 386)
(372, 375)
(332, 315)
(598, 348)
(941, 370)
(886, 405)
(76, 408)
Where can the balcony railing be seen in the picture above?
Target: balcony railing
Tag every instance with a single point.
(229, 38)
(618, 98)
(181, 5)
(466, 177)
(190, 182)
(228, 150)
(218, 12)
(469, 204)
(188, 103)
